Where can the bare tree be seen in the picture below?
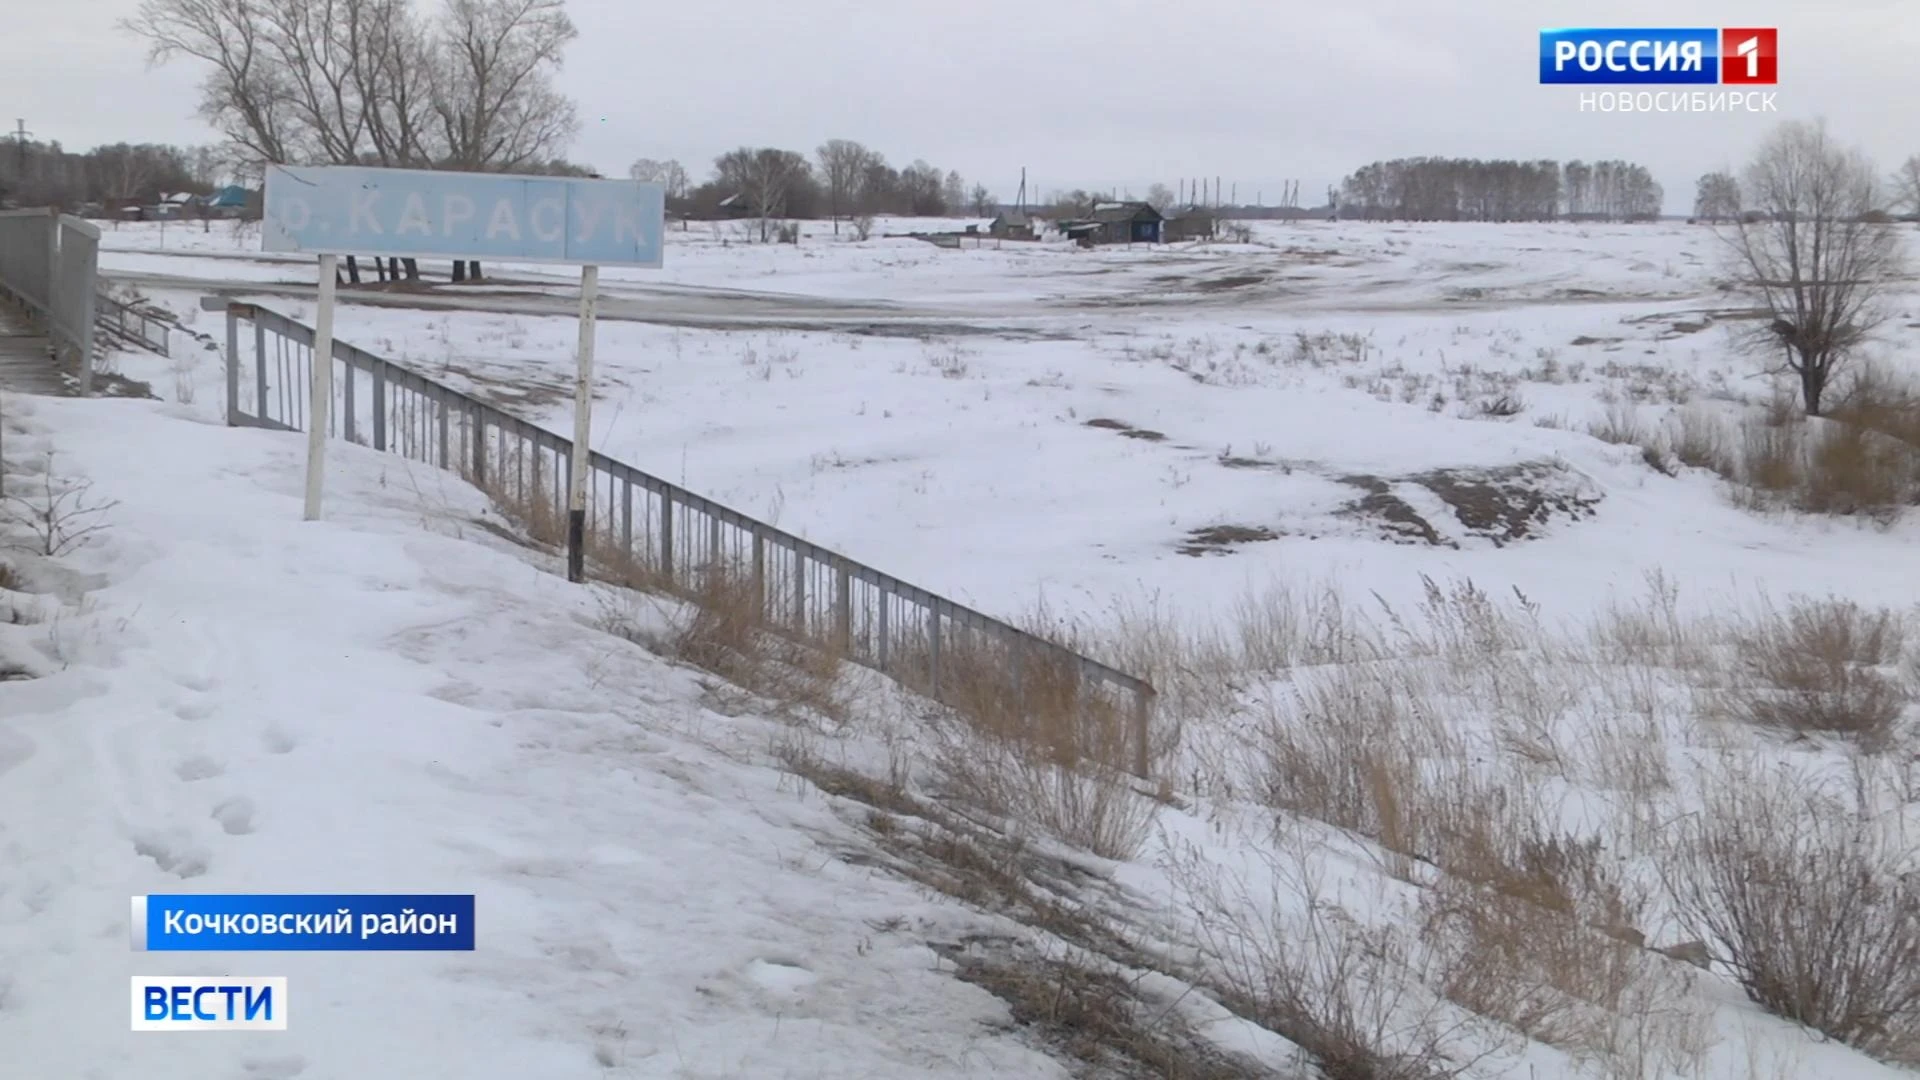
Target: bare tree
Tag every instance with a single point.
(1160, 197)
(1812, 254)
(1906, 185)
(981, 200)
(1717, 197)
(493, 86)
(766, 177)
(246, 97)
(668, 174)
(842, 164)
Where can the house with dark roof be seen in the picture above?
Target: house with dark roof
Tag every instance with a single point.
(1193, 223)
(1011, 225)
(1118, 223)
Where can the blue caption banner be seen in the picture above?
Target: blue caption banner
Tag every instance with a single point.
(259, 922)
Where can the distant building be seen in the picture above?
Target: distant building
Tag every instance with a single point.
(1011, 225)
(1193, 223)
(1117, 223)
(231, 201)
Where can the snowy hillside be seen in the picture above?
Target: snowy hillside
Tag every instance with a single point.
(232, 700)
(1479, 630)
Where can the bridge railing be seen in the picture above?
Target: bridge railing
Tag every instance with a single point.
(1005, 679)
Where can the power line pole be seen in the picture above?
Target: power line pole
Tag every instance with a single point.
(20, 134)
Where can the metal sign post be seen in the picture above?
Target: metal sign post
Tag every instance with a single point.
(582, 427)
(319, 416)
(334, 210)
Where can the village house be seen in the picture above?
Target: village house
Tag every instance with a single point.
(1117, 223)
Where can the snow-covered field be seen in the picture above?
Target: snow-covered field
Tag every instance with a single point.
(397, 699)
(966, 461)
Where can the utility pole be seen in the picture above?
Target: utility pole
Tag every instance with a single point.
(20, 134)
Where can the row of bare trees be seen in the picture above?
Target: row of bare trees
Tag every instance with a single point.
(843, 179)
(1460, 189)
(46, 174)
(468, 85)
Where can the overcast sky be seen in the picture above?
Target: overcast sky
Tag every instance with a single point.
(1082, 93)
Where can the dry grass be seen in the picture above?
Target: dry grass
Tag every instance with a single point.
(1862, 459)
(1822, 666)
(1540, 935)
(720, 627)
(1094, 1015)
(1353, 996)
(1812, 899)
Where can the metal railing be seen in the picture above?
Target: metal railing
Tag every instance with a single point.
(129, 325)
(640, 527)
(48, 265)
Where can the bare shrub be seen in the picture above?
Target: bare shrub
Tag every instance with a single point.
(1352, 996)
(1541, 936)
(1853, 469)
(1621, 426)
(1878, 399)
(862, 226)
(1826, 666)
(1698, 440)
(721, 628)
(1503, 405)
(55, 519)
(1772, 458)
(1081, 803)
(1812, 902)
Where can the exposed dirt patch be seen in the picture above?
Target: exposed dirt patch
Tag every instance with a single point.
(1390, 513)
(1504, 505)
(1508, 504)
(518, 391)
(1220, 539)
(1235, 281)
(1587, 339)
(1127, 429)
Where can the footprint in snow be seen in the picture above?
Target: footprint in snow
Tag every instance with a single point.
(235, 815)
(199, 684)
(194, 710)
(198, 767)
(276, 1068)
(182, 860)
(782, 975)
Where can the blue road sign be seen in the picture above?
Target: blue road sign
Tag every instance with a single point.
(350, 210)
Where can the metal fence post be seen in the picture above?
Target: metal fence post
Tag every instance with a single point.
(626, 515)
(260, 364)
(1142, 724)
(886, 615)
(379, 406)
(759, 576)
(933, 649)
(479, 449)
(842, 609)
(666, 535)
(233, 367)
(348, 414)
(800, 590)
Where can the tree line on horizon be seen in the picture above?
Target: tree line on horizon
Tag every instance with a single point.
(1468, 189)
(843, 179)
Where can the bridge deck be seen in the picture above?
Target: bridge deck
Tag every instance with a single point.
(26, 366)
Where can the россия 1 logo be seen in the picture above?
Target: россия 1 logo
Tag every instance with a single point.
(1729, 56)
